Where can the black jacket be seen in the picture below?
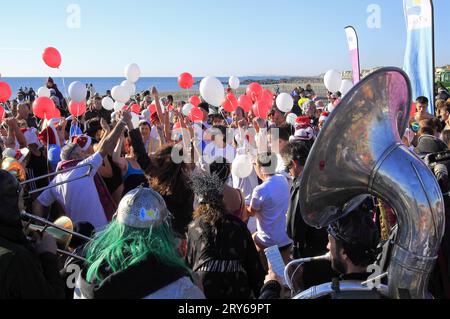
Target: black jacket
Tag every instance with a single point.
(136, 282)
(308, 241)
(23, 274)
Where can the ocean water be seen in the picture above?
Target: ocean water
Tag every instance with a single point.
(101, 85)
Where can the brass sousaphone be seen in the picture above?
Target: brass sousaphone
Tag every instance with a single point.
(360, 151)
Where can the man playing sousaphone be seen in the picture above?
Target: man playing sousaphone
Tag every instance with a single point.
(352, 243)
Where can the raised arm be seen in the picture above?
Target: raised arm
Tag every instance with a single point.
(109, 143)
(14, 134)
(117, 157)
(163, 117)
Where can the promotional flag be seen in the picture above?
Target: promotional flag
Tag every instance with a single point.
(419, 56)
(352, 39)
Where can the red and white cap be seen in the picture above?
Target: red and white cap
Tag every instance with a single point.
(324, 116)
(18, 155)
(302, 122)
(83, 141)
(303, 134)
(31, 136)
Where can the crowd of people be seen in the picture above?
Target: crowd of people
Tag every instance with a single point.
(169, 212)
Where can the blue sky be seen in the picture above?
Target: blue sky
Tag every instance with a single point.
(215, 37)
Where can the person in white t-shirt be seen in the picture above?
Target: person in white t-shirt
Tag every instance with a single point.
(80, 198)
(270, 203)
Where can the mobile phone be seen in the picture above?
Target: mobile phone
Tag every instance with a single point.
(273, 256)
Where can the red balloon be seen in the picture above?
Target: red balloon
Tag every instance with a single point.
(255, 91)
(5, 92)
(152, 108)
(196, 115)
(2, 113)
(195, 100)
(245, 102)
(52, 57)
(135, 108)
(261, 109)
(77, 109)
(413, 111)
(54, 114)
(267, 95)
(43, 107)
(185, 80)
(231, 103)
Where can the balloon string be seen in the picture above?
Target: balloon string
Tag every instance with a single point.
(48, 142)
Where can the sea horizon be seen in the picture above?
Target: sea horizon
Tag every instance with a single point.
(102, 84)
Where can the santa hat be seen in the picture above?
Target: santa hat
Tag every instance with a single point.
(324, 116)
(31, 136)
(49, 134)
(302, 122)
(303, 134)
(83, 141)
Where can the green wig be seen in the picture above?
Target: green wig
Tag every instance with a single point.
(120, 247)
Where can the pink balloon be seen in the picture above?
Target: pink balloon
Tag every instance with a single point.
(231, 103)
(195, 100)
(196, 115)
(245, 102)
(43, 107)
(5, 92)
(77, 109)
(255, 91)
(52, 57)
(185, 80)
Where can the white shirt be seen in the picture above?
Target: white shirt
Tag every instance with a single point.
(79, 198)
(212, 152)
(271, 201)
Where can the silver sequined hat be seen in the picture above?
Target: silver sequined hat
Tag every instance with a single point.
(142, 208)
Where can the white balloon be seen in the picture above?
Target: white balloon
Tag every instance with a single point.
(234, 82)
(118, 106)
(108, 103)
(186, 109)
(43, 92)
(120, 94)
(242, 166)
(135, 120)
(132, 72)
(346, 86)
(212, 91)
(291, 119)
(330, 107)
(77, 91)
(145, 114)
(333, 80)
(285, 102)
(131, 87)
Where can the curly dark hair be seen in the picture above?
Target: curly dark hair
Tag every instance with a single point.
(169, 179)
